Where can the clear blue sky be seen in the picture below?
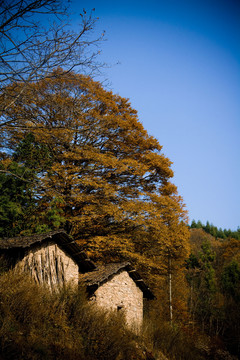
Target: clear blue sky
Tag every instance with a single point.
(180, 68)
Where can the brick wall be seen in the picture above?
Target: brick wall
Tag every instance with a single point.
(122, 294)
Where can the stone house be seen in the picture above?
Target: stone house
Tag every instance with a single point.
(52, 258)
(118, 287)
(55, 258)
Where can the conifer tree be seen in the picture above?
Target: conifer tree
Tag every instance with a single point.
(16, 200)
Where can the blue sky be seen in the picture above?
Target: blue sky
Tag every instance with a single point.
(179, 64)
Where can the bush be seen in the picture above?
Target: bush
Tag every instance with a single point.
(38, 324)
(174, 341)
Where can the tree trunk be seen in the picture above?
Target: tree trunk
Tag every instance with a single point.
(170, 288)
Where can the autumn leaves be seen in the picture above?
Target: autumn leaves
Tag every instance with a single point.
(98, 171)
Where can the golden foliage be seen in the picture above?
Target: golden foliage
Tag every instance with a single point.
(111, 179)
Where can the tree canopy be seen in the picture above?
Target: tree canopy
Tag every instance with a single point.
(109, 177)
(216, 232)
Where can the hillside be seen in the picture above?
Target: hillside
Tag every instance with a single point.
(213, 274)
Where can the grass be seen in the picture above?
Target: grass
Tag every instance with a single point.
(38, 324)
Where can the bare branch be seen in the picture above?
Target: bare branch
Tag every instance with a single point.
(15, 175)
(29, 51)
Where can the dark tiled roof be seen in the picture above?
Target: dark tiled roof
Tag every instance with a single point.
(60, 237)
(104, 273)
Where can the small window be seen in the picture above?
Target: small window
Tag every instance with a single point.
(92, 298)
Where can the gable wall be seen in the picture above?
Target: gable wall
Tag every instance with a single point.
(47, 263)
(121, 290)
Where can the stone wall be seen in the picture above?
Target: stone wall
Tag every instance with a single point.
(122, 294)
(49, 264)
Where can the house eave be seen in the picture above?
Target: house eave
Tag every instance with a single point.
(60, 237)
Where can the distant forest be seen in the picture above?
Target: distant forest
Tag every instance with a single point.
(216, 232)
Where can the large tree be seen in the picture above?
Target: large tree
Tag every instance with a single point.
(111, 179)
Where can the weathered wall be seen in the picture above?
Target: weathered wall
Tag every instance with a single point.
(121, 294)
(49, 264)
